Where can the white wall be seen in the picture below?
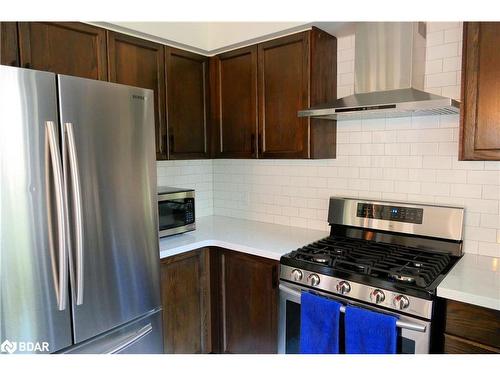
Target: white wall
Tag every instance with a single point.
(209, 37)
(408, 159)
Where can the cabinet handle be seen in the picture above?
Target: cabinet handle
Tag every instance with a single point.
(171, 139)
(274, 281)
(259, 144)
(252, 141)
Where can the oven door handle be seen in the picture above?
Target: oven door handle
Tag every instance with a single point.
(399, 323)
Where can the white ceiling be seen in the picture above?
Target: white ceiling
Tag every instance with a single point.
(210, 38)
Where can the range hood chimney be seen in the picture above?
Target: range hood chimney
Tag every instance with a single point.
(389, 69)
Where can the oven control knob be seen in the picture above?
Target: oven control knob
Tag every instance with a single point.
(401, 302)
(343, 287)
(313, 279)
(297, 275)
(377, 296)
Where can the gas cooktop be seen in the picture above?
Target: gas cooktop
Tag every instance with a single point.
(403, 266)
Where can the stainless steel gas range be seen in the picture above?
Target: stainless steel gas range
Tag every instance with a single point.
(383, 256)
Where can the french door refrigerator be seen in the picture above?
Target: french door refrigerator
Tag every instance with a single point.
(79, 257)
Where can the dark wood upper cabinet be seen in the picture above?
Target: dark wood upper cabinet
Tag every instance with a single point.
(138, 62)
(9, 47)
(185, 280)
(249, 303)
(295, 72)
(187, 104)
(480, 112)
(70, 48)
(236, 121)
(283, 90)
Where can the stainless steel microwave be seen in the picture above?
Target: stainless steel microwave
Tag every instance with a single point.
(175, 210)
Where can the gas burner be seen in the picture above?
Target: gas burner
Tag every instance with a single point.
(403, 278)
(320, 258)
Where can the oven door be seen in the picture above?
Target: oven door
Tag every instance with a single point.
(176, 213)
(414, 339)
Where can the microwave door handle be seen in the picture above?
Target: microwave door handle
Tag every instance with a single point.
(55, 162)
(399, 323)
(77, 210)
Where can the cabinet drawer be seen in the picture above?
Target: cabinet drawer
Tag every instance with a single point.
(473, 323)
(457, 345)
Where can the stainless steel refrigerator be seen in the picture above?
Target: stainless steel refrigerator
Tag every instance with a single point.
(79, 257)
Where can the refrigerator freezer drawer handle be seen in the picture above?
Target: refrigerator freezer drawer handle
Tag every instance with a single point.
(77, 210)
(55, 159)
(131, 339)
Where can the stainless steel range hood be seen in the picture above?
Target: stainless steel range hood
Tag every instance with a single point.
(389, 68)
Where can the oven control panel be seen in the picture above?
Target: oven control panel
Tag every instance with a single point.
(389, 212)
(352, 290)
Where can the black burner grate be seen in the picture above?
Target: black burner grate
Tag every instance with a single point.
(401, 264)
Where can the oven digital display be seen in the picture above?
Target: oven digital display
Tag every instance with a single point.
(392, 213)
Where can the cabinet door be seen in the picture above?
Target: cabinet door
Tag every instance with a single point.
(458, 345)
(186, 302)
(139, 62)
(249, 293)
(474, 323)
(236, 119)
(283, 90)
(9, 50)
(69, 48)
(187, 92)
(480, 112)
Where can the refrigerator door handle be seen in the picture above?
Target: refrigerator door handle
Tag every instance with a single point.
(77, 210)
(131, 339)
(55, 159)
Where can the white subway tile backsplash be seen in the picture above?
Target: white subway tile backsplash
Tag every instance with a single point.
(435, 38)
(435, 189)
(451, 64)
(434, 66)
(441, 79)
(466, 190)
(484, 177)
(438, 26)
(442, 51)
(437, 162)
(489, 249)
(453, 35)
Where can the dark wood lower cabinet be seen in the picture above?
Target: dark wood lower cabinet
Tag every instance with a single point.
(471, 329)
(249, 303)
(219, 301)
(185, 292)
(458, 345)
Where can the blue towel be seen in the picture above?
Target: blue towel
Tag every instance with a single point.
(319, 325)
(369, 332)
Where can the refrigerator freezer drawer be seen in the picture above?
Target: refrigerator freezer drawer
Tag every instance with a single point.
(141, 336)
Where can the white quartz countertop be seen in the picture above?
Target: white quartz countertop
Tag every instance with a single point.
(247, 236)
(475, 279)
